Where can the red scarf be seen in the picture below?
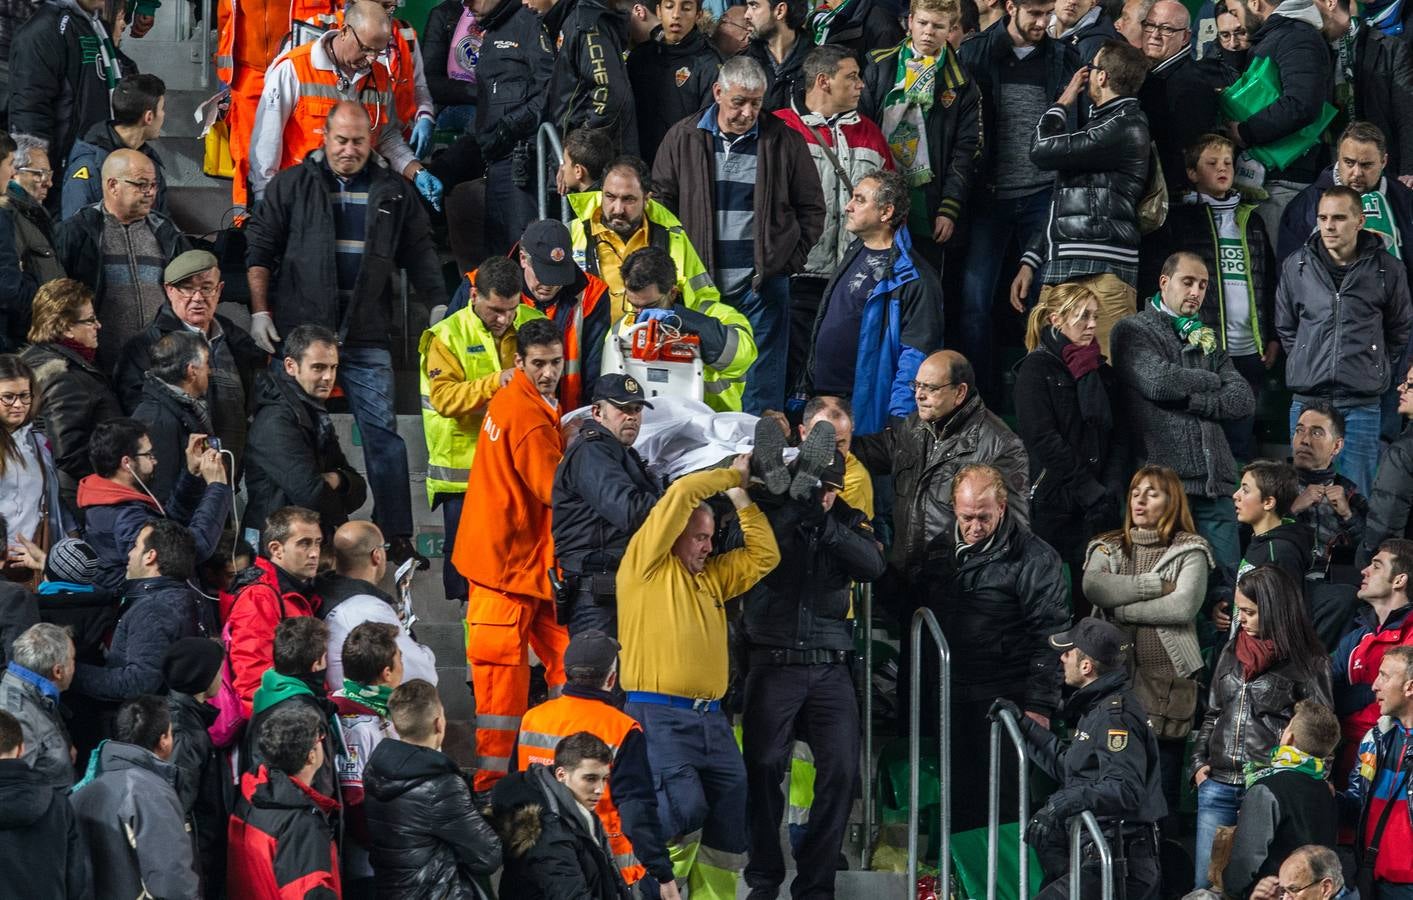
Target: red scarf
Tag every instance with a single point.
(1081, 359)
(1254, 654)
(88, 353)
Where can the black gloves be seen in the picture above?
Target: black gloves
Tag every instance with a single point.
(1046, 828)
(994, 714)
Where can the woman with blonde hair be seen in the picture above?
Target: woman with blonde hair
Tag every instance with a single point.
(1065, 419)
(74, 395)
(1150, 578)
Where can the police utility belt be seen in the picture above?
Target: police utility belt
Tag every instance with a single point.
(780, 656)
(1126, 839)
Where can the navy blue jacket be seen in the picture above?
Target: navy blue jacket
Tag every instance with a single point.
(157, 613)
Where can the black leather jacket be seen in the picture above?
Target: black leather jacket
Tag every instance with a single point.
(1245, 719)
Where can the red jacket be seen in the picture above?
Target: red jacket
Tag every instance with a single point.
(260, 604)
(504, 540)
(280, 841)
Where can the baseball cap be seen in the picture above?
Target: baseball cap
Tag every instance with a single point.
(547, 244)
(1095, 638)
(192, 262)
(620, 390)
(591, 650)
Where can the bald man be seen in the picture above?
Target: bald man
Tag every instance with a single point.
(951, 428)
(119, 249)
(1180, 94)
(355, 590)
(303, 85)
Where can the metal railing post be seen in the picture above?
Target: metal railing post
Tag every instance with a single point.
(1087, 821)
(864, 613)
(546, 139)
(993, 819)
(205, 26)
(924, 617)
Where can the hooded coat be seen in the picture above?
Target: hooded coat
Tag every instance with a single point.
(281, 840)
(39, 835)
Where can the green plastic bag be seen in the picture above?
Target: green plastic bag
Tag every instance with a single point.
(969, 864)
(1257, 88)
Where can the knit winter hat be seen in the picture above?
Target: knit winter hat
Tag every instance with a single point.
(191, 663)
(71, 560)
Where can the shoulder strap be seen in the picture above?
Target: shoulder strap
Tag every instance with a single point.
(1400, 785)
(830, 155)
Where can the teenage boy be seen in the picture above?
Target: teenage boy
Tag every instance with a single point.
(671, 73)
(1217, 225)
(1263, 501)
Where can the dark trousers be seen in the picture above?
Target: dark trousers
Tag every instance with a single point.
(1069, 535)
(1241, 433)
(453, 583)
(818, 703)
(971, 761)
(806, 295)
(587, 615)
(1137, 877)
(509, 209)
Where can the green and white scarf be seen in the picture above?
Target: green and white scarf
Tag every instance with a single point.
(821, 20)
(1189, 328)
(905, 110)
(1283, 758)
(373, 696)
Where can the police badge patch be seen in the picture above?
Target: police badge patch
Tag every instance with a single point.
(1118, 740)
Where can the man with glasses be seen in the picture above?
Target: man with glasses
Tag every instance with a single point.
(304, 84)
(1311, 872)
(118, 249)
(1179, 95)
(139, 110)
(193, 285)
(34, 226)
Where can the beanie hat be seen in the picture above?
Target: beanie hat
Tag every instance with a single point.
(191, 663)
(71, 560)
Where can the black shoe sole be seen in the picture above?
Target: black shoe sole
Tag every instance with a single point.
(816, 453)
(768, 460)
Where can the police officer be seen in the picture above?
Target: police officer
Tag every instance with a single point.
(1110, 769)
(800, 637)
(602, 493)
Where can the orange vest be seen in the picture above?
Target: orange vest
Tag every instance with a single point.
(250, 34)
(547, 724)
(318, 95)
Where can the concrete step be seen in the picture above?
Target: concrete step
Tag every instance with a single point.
(853, 885)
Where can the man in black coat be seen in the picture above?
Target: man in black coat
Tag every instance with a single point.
(300, 462)
(1373, 81)
(173, 404)
(999, 594)
(427, 833)
(192, 672)
(39, 837)
(588, 86)
(602, 493)
(800, 638)
(1179, 96)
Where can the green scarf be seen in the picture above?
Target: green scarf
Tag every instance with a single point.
(821, 20)
(905, 109)
(1189, 328)
(373, 696)
(1287, 757)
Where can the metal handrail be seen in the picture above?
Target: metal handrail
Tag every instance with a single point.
(205, 26)
(546, 139)
(864, 613)
(1087, 821)
(921, 618)
(993, 823)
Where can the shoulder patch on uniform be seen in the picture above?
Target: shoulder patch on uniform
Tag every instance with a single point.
(81, 174)
(1118, 739)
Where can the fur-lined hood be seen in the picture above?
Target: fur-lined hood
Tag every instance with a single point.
(519, 804)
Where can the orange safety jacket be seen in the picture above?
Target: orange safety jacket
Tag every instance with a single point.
(546, 725)
(250, 34)
(318, 95)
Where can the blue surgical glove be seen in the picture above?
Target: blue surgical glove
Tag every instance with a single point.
(645, 315)
(421, 142)
(429, 186)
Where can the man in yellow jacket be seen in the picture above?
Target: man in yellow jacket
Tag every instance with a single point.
(466, 358)
(672, 621)
(653, 289)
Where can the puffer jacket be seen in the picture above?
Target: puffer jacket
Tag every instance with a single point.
(1342, 343)
(265, 595)
(1390, 499)
(1174, 399)
(1245, 719)
(39, 835)
(1298, 220)
(923, 457)
(429, 840)
(998, 604)
(157, 612)
(1101, 172)
(74, 396)
(804, 603)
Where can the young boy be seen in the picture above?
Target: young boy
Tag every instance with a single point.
(672, 73)
(1216, 224)
(1286, 806)
(587, 152)
(1263, 501)
(372, 669)
(38, 830)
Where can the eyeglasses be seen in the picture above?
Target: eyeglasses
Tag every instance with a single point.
(189, 291)
(143, 187)
(24, 399)
(91, 320)
(916, 386)
(147, 453)
(1291, 892)
(1404, 385)
(363, 48)
(1234, 33)
(45, 176)
(1166, 31)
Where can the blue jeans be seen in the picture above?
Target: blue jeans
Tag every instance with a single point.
(455, 586)
(1359, 459)
(1215, 519)
(991, 231)
(366, 376)
(768, 311)
(1217, 805)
